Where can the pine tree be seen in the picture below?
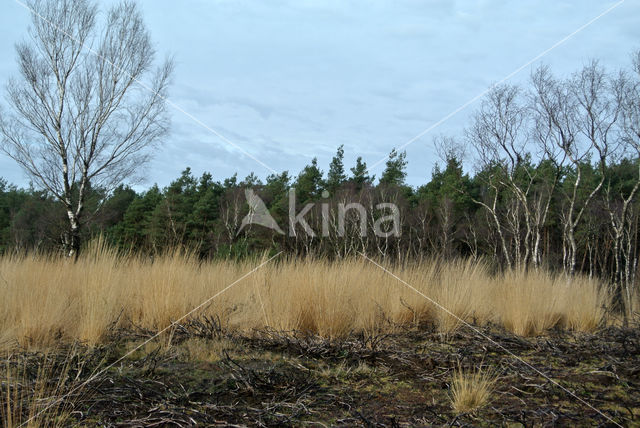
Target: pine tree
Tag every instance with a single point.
(206, 213)
(251, 180)
(171, 220)
(276, 195)
(309, 184)
(336, 175)
(134, 228)
(114, 208)
(360, 175)
(395, 172)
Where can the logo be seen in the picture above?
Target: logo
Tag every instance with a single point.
(258, 213)
(384, 226)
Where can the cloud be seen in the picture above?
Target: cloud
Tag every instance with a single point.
(293, 79)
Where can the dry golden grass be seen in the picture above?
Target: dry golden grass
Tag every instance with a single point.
(471, 389)
(46, 299)
(32, 402)
(530, 303)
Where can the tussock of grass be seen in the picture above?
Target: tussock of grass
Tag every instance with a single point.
(530, 303)
(29, 399)
(45, 299)
(471, 390)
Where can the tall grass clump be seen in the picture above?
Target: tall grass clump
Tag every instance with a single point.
(471, 389)
(38, 396)
(46, 299)
(528, 303)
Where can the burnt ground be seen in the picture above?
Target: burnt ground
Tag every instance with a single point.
(207, 376)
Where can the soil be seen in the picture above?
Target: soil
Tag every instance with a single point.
(207, 376)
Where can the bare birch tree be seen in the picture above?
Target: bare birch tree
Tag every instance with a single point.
(620, 206)
(578, 118)
(88, 104)
(498, 139)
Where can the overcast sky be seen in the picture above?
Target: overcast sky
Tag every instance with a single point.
(288, 80)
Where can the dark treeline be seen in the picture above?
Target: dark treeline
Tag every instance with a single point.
(554, 183)
(445, 217)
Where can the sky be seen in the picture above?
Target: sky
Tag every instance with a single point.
(289, 80)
